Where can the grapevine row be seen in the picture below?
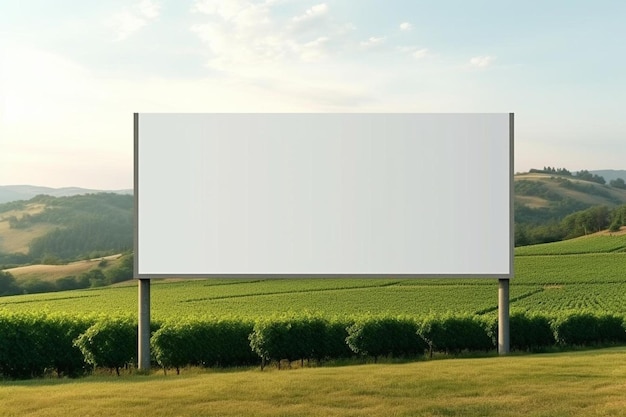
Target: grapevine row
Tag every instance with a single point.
(34, 345)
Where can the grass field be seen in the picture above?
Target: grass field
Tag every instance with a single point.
(584, 383)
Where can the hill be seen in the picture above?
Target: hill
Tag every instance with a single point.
(10, 193)
(551, 207)
(545, 191)
(31, 279)
(611, 174)
(52, 230)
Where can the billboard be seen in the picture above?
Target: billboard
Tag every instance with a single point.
(323, 195)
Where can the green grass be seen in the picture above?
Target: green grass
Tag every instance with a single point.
(598, 243)
(585, 383)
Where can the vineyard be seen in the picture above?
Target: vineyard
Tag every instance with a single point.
(544, 282)
(574, 298)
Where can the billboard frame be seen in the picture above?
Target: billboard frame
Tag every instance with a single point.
(144, 279)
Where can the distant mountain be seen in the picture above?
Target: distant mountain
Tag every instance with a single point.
(10, 193)
(611, 174)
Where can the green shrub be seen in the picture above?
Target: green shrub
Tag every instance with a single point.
(22, 355)
(585, 329)
(203, 343)
(384, 336)
(530, 332)
(335, 345)
(63, 355)
(453, 334)
(33, 344)
(109, 343)
(295, 338)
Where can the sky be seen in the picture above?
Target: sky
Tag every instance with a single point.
(72, 73)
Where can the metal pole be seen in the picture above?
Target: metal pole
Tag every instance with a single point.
(503, 317)
(143, 349)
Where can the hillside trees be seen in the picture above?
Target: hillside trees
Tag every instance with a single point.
(618, 183)
(551, 170)
(618, 218)
(87, 225)
(580, 223)
(8, 285)
(587, 221)
(588, 176)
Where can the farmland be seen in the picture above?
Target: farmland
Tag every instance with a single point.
(566, 383)
(548, 278)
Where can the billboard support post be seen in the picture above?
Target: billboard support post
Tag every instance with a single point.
(144, 325)
(503, 317)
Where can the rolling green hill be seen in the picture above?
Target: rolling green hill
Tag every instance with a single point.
(563, 195)
(551, 207)
(48, 229)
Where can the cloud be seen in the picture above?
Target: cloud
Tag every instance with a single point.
(373, 41)
(481, 61)
(132, 19)
(314, 50)
(420, 53)
(241, 33)
(314, 12)
(405, 26)
(260, 46)
(149, 9)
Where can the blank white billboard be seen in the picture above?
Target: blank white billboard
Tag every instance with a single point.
(323, 195)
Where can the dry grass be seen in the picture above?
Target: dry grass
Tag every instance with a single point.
(532, 201)
(54, 272)
(17, 240)
(587, 383)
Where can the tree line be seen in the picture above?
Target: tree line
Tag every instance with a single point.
(591, 220)
(581, 175)
(96, 277)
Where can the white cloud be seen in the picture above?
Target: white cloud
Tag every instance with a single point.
(373, 41)
(314, 50)
(132, 19)
(125, 23)
(420, 53)
(405, 26)
(481, 61)
(242, 36)
(240, 33)
(149, 9)
(314, 12)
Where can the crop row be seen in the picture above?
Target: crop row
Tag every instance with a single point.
(33, 345)
(570, 269)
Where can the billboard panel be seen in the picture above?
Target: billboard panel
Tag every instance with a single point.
(323, 195)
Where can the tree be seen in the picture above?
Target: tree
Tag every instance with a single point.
(618, 183)
(110, 343)
(588, 176)
(8, 285)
